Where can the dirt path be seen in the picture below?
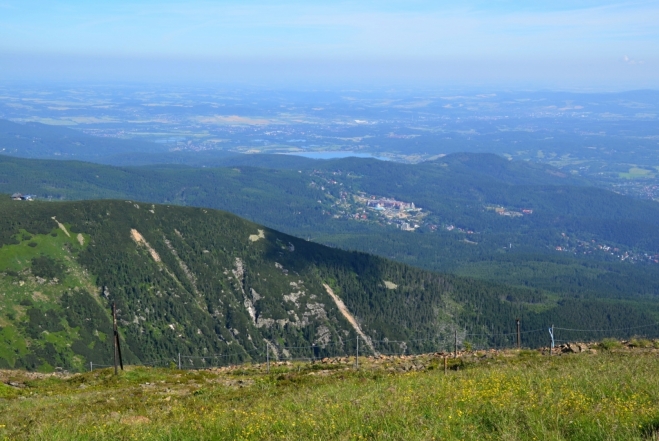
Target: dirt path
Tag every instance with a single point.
(62, 227)
(344, 310)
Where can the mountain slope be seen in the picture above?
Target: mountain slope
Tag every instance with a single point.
(187, 280)
(206, 284)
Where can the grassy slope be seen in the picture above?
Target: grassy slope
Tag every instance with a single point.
(22, 287)
(515, 396)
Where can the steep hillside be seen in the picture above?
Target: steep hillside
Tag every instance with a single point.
(207, 284)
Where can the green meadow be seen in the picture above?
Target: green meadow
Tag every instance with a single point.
(605, 394)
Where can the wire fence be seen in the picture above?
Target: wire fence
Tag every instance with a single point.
(447, 343)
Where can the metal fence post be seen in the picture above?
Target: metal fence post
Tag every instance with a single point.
(551, 334)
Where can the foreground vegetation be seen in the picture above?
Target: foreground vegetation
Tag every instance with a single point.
(604, 394)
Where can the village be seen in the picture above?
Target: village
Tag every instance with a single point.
(578, 246)
(364, 207)
(405, 215)
(385, 211)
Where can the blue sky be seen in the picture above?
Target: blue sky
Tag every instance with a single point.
(563, 44)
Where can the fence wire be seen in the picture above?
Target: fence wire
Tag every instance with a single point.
(348, 348)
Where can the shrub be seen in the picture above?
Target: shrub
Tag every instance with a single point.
(47, 268)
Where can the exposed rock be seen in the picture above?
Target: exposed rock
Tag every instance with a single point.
(256, 237)
(390, 285)
(324, 335)
(293, 297)
(317, 310)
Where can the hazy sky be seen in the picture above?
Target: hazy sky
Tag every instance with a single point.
(567, 44)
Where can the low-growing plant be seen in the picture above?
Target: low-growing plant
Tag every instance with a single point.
(640, 343)
(582, 397)
(528, 353)
(610, 343)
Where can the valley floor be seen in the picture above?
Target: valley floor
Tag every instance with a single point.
(513, 395)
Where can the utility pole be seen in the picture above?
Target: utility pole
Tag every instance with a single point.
(91, 366)
(357, 356)
(519, 336)
(267, 356)
(455, 343)
(117, 345)
(179, 361)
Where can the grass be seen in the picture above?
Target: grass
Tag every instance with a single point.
(512, 396)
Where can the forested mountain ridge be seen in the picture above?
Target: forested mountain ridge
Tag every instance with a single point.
(206, 283)
(574, 239)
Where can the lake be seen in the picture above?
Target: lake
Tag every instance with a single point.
(336, 155)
